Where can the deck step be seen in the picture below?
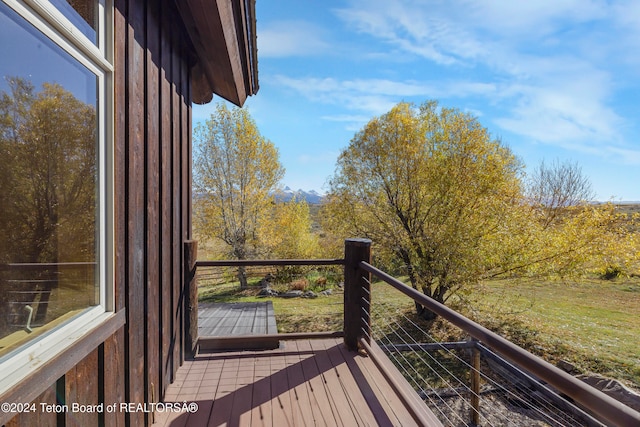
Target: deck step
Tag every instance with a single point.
(235, 326)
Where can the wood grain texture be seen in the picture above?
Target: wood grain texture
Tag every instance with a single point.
(153, 352)
(308, 382)
(166, 11)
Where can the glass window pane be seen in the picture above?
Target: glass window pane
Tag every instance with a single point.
(49, 235)
(83, 14)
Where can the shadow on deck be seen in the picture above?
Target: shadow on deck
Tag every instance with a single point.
(305, 382)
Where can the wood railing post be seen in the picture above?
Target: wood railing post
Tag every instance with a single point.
(356, 291)
(190, 291)
(475, 386)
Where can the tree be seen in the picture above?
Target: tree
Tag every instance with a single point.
(49, 177)
(236, 171)
(564, 231)
(436, 193)
(286, 232)
(427, 184)
(554, 188)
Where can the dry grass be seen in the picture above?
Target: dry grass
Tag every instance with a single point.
(593, 324)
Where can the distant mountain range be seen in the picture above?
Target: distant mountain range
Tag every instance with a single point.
(312, 197)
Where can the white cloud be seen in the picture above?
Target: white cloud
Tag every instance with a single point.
(378, 95)
(347, 118)
(548, 63)
(413, 28)
(291, 38)
(628, 156)
(528, 19)
(564, 103)
(353, 123)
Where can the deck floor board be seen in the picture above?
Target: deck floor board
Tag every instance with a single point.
(305, 382)
(217, 322)
(229, 319)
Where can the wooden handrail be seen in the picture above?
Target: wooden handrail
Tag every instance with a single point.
(267, 262)
(601, 404)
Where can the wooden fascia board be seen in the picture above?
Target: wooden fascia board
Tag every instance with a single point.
(212, 28)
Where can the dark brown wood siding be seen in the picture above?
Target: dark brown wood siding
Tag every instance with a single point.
(152, 204)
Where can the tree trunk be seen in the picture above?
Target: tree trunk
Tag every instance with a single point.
(413, 279)
(242, 277)
(421, 311)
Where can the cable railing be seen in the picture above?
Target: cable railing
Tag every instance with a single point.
(449, 377)
(498, 370)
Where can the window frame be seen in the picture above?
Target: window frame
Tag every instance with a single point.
(40, 352)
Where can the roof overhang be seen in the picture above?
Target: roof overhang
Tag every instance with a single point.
(223, 34)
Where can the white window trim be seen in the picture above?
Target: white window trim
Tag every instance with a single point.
(46, 18)
(61, 24)
(38, 352)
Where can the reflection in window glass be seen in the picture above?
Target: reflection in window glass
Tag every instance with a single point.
(48, 184)
(83, 14)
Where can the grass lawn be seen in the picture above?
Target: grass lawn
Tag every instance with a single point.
(594, 324)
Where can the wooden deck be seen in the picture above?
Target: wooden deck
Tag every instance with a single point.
(304, 383)
(236, 320)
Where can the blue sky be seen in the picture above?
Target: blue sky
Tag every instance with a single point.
(554, 79)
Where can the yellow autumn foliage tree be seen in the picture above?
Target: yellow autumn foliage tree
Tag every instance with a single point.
(47, 174)
(286, 233)
(236, 173)
(449, 203)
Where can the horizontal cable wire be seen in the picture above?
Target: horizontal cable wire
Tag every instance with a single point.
(415, 375)
(391, 329)
(527, 401)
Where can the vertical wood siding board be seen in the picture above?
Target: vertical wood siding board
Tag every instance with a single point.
(122, 110)
(70, 390)
(165, 191)
(175, 200)
(181, 212)
(38, 418)
(43, 418)
(82, 389)
(115, 386)
(47, 419)
(114, 382)
(186, 156)
(153, 346)
(120, 170)
(184, 170)
(190, 154)
(136, 209)
(185, 122)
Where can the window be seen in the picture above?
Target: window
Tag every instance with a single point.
(55, 266)
(83, 14)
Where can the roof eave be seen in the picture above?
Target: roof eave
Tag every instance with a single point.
(223, 34)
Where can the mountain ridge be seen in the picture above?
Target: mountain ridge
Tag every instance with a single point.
(312, 197)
